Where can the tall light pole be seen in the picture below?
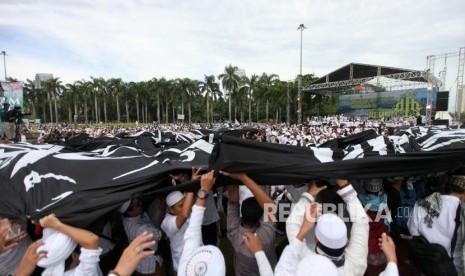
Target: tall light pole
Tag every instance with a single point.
(299, 95)
(288, 106)
(4, 61)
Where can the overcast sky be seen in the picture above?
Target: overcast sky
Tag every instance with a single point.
(138, 40)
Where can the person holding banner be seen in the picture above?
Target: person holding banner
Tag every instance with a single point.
(6, 107)
(9, 123)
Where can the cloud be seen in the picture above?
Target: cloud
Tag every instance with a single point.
(138, 40)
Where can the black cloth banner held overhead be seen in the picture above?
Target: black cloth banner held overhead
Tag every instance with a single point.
(86, 179)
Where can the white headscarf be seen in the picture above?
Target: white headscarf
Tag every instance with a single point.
(58, 246)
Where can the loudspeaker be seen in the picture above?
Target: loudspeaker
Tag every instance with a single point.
(442, 102)
(440, 122)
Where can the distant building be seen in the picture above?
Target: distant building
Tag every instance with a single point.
(41, 77)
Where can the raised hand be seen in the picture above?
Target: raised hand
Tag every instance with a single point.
(195, 174)
(50, 221)
(207, 181)
(30, 259)
(8, 243)
(389, 248)
(314, 190)
(134, 253)
(236, 176)
(311, 214)
(252, 241)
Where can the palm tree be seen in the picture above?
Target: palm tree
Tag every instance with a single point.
(106, 93)
(72, 94)
(85, 91)
(66, 100)
(152, 89)
(162, 87)
(127, 96)
(116, 86)
(168, 98)
(143, 95)
(96, 87)
(54, 87)
(31, 95)
(192, 88)
(133, 93)
(249, 85)
(212, 91)
(230, 81)
(266, 81)
(189, 88)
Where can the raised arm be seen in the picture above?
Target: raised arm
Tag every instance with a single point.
(291, 256)
(260, 195)
(137, 250)
(193, 235)
(252, 241)
(389, 248)
(187, 206)
(233, 193)
(357, 249)
(84, 238)
(296, 218)
(186, 210)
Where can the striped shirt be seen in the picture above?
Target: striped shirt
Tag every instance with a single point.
(134, 226)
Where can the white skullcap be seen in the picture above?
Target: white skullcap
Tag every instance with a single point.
(331, 231)
(316, 265)
(206, 261)
(173, 198)
(58, 247)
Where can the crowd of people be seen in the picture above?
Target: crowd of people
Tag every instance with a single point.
(314, 132)
(382, 226)
(338, 227)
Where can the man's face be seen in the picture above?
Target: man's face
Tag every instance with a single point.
(4, 223)
(176, 209)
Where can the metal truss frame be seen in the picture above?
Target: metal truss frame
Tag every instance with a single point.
(337, 85)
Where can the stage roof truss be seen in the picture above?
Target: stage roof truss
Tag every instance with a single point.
(416, 78)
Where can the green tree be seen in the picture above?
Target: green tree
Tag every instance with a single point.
(249, 85)
(230, 82)
(266, 83)
(53, 87)
(85, 89)
(31, 96)
(116, 87)
(210, 89)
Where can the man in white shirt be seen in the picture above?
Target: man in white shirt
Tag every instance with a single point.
(177, 217)
(197, 259)
(434, 218)
(58, 243)
(176, 221)
(349, 255)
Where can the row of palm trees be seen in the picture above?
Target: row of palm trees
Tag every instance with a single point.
(228, 96)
